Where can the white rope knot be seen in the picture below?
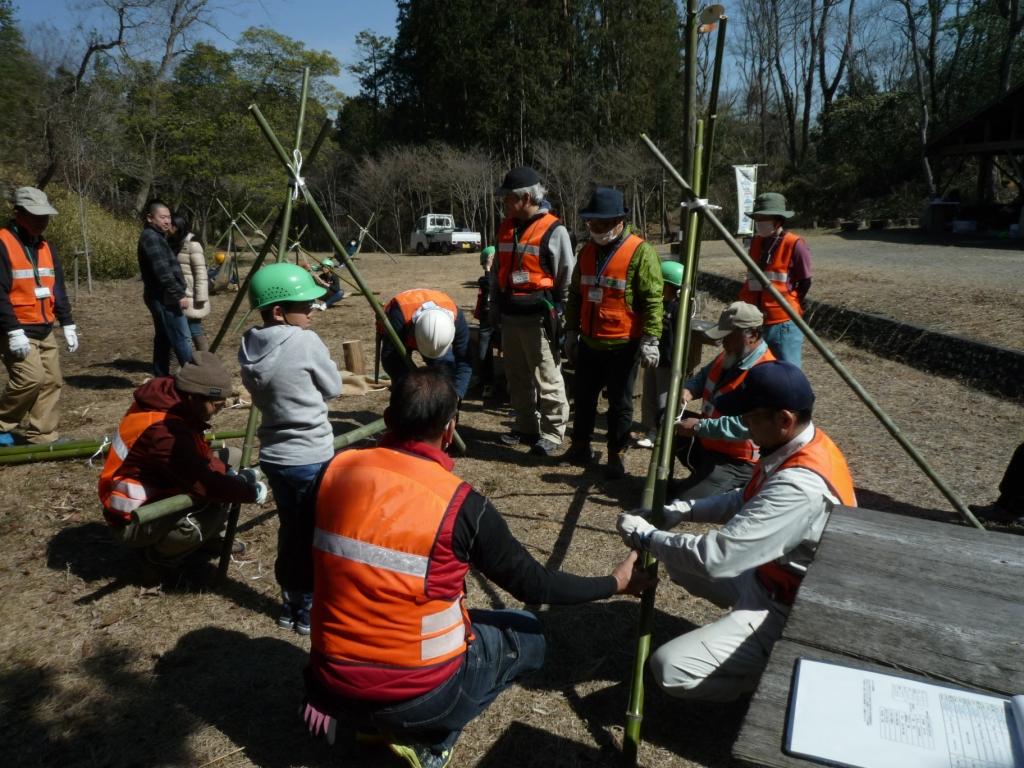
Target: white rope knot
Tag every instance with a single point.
(700, 203)
(296, 169)
(104, 444)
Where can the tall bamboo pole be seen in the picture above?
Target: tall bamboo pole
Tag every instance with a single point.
(661, 464)
(286, 224)
(339, 249)
(716, 81)
(236, 508)
(818, 344)
(689, 90)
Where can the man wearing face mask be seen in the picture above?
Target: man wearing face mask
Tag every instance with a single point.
(786, 260)
(717, 448)
(528, 291)
(613, 322)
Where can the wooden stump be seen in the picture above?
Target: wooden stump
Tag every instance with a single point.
(353, 354)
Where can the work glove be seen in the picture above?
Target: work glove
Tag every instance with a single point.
(671, 514)
(649, 353)
(319, 723)
(572, 340)
(17, 343)
(71, 337)
(254, 478)
(635, 531)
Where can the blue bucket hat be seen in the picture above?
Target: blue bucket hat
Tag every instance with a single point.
(605, 203)
(777, 385)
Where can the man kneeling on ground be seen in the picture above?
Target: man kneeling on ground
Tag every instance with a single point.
(754, 563)
(396, 533)
(159, 451)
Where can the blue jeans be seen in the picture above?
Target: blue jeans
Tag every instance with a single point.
(333, 298)
(786, 342)
(294, 490)
(170, 331)
(508, 645)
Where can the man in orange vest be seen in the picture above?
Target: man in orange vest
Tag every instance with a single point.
(786, 261)
(528, 292)
(32, 296)
(754, 563)
(717, 448)
(428, 322)
(615, 309)
(159, 451)
(396, 534)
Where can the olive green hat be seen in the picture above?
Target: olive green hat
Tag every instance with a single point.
(770, 204)
(672, 273)
(281, 283)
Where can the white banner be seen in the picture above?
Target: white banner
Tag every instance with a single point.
(746, 191)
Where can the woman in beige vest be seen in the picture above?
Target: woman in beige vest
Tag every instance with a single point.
(193, 267)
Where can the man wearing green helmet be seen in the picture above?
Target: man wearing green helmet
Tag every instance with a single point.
(290, 374)
(482, 312)
(327, 279)
(656, 379)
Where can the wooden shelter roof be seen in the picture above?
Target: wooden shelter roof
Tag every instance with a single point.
(996, 129)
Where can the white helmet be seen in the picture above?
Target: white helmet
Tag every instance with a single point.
(435, 331)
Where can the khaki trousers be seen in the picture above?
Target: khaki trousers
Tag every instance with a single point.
(535, 384)
(33, 389)
(166, 542)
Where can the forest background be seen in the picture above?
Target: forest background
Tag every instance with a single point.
(836, 98)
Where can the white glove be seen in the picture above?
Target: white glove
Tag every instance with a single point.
(649, 353)
(254, 478)
(71, 337)
(634, 530)
(572, 339)
(18, 343)
(675, 513)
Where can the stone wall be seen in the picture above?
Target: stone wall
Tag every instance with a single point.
(994, 369)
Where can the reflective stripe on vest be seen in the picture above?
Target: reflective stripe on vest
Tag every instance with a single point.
(383, 518)
(823, 458)
(776, 270)
(610, 317)
(520, 270)
(744, 450)
(29, 309)
(410, 303)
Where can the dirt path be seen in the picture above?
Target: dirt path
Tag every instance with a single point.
(96, 671)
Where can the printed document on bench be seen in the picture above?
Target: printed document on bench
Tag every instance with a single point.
(843, 716)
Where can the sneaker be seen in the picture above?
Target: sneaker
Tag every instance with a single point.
(580, 455)
(6, 439)
(996, 513)
(302, 615)
(287, 618)
(544, 447)
(421, 756)
(644, 442)
(488, 391)
(320, 305)
(615, 470)
(514, 437)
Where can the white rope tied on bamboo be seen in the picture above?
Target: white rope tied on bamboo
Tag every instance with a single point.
(296, 169)
(699, 204)
(104, 444)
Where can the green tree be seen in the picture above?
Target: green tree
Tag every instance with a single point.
(23, 83)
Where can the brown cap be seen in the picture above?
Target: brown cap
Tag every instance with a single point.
(33, 201)
(205, 375)
(739, 314)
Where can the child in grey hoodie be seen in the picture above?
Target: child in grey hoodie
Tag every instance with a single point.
(290, 375)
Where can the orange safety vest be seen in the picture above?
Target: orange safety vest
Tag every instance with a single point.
(822, 457)
(411, 303)
(776, 270)
(604, 313)
(744, 450)
(388, 592)
(26, 279)
(120, 493)
(521, 270)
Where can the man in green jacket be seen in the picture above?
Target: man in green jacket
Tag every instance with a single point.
(613, 322)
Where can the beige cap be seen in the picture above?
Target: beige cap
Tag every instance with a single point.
(737, 315)
(34, 201)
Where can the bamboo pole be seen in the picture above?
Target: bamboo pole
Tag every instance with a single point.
(716, 81)
(818, 344)
(660, 468)
(236, 508)
(339, 249)
(282, 248)
(28, 454)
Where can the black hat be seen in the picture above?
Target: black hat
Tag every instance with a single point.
(777, 385)
(605, 203)
(518, 178)
(205, 375)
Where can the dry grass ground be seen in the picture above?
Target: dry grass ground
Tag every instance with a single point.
(95, 670)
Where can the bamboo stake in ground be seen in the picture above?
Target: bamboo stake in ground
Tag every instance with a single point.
(661, 462)
(816, 341)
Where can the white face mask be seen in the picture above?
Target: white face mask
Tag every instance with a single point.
(607, 237)
(764, 228)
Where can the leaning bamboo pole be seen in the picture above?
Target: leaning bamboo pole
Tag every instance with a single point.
(661, 462)
(830, 358)
(339, 249)
(78, 449)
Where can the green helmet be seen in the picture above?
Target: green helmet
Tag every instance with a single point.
(672, 273)
(329, 263)
(485, 254)
(282, 282)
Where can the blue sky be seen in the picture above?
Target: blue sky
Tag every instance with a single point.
(321, 24)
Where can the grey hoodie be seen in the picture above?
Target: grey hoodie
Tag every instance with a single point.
(290, 374)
